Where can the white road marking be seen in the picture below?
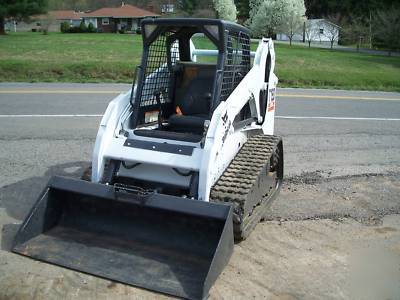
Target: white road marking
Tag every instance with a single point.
(278, 117)
(337, 97)
(50, 116)
(59, 92)
(337, 118)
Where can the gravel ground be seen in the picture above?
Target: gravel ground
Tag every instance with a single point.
(324, 239)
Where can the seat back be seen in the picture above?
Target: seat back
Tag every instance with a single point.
(193, 88)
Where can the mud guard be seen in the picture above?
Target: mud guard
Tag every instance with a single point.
(158, 242)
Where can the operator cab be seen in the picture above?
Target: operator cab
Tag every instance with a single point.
(176, 94)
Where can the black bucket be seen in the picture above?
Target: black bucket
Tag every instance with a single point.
(159, 242)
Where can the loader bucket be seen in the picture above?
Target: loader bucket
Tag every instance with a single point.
(163, 243)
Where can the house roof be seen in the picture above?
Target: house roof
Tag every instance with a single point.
(124, 11)
(66, 14)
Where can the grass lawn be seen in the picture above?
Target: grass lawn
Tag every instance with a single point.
(34, 57)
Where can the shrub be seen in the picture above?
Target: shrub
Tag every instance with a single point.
(91, 28)
(64, 27)
(82, 27)
(74, 29)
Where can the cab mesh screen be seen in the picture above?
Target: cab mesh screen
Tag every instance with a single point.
(157, 73)
(237, 62)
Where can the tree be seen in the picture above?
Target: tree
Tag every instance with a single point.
(80, 5)
(91, 28)
(82, 27)
(204, 13)
(387, 24)
(243, 10)
(20, 9)
(310, 33)
(356, 30)
(346, 8)
(331, 30)
(64, 27)
(225, 9)
(266, 16)
(293, 23)
(187, 6)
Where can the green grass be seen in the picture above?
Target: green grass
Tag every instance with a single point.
(323, 68)
(34, 57)
(76, 57)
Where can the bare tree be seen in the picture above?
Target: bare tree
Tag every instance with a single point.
(331, 29)
(310, 32)
(292, 25)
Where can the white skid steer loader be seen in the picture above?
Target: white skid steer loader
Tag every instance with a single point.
(184, 164)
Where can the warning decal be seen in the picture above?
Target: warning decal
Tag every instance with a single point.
(271, 102)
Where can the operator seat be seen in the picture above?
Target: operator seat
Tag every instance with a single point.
(192, 98)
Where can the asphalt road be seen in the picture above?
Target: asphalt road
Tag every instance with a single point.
(341, 132)
(92, 99)
(342, 175)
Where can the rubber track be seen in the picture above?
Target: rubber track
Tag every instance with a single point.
(240, 179)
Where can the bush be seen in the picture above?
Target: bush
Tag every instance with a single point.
(64, 27)
(82, 27)
(91, 28)
(74, 29)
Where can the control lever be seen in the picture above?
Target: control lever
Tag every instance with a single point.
(157, 94)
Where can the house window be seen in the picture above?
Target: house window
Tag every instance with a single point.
(167, 8)
(105, 21)
(321, 31)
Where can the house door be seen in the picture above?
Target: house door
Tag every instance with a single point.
(123, 24)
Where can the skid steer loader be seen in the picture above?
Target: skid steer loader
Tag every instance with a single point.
(183, 164)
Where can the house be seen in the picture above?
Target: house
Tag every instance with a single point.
(167, 8)
(316, 30)
(112, 19)
(74, 18)
(52, 19)
(107, 19)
